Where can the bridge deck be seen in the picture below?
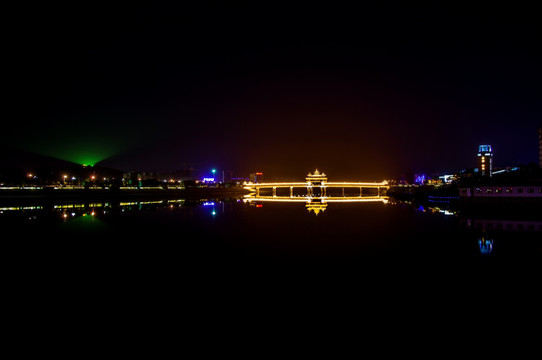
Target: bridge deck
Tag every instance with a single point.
(326, 184)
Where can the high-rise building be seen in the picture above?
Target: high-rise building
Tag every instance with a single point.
(485, 160)
(540, 145)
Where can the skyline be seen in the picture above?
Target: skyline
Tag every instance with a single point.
(370, 94)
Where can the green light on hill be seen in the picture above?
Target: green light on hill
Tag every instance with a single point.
(79, 137)
(82, 157)
(86, 152)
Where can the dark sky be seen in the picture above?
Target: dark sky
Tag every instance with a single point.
(359, 92)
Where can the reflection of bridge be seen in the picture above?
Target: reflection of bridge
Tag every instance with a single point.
(317, 186)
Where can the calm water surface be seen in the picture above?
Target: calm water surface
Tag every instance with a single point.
(147, 267)
(223, 237)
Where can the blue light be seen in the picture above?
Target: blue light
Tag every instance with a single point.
(484, 148)
(214, 213)
(208, 203)
(420, 179)
(486, 246)
(208, 179)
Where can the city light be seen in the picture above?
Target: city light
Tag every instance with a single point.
(420, 179)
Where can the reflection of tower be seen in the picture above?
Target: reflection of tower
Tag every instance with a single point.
(486, 245)
(540, 145)
(316, 184)
(316, 206)
(485, 160)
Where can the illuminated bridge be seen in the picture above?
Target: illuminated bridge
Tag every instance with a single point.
(318, 193)
(317, 185)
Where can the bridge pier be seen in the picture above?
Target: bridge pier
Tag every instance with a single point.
(291, 191)
(274, 191)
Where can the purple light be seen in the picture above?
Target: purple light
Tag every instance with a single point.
(420, 179)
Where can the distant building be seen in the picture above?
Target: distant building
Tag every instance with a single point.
(540, 145)
(485, 160)
(419, 179)
(256, 177)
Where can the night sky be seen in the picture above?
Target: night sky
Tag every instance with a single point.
(362, 93)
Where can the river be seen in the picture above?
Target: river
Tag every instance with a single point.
(219, 236)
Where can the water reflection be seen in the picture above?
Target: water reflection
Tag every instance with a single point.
(502, 224)
(436, 210)
(315, 204)
(219, 232)
(485, 244)
(88, 211)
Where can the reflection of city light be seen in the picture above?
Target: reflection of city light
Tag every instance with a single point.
(208, 203)
(214, 212)
(486, 245)
(314, 204)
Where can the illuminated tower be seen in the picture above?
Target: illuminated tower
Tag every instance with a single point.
(316, 184)
(540, 145)
(485, 160)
